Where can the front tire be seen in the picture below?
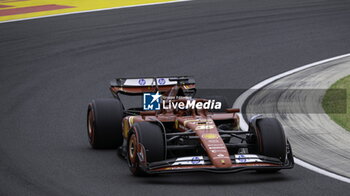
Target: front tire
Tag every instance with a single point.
(148, 139)
(271, 140)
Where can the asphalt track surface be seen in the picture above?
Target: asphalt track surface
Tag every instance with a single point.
(51, 68)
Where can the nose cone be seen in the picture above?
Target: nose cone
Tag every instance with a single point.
(212, 142)
(222, 162)
(216, 148)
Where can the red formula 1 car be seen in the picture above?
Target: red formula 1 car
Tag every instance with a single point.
(183, 139)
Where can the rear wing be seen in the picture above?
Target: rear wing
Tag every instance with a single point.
(150, 84)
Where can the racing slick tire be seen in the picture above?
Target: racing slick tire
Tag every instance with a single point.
(104, 123)
(145, 140)
(271, 140)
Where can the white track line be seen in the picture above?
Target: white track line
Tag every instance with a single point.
(244, 125)
(97, 10)
(320, 171)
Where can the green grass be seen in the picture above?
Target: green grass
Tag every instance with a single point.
(336, 102)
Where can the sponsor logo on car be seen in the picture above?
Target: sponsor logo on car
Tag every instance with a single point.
(217, 147)
(241, 158)
(217, 151)
(247, 158)
(215, 144)
(142, 82)
(204, 127)
(210, 136)
(161, 81)
(195, 160)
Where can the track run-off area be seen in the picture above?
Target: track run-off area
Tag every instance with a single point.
(295, 99)
(16, 10)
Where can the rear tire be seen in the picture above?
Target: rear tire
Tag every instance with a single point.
(150, 136)
(104, 123)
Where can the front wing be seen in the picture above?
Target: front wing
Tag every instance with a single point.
(240, 162)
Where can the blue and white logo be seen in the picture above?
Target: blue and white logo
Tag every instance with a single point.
(195, 160)
(151, 101)
(142, 82)
(161, 81)
(242, 158)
